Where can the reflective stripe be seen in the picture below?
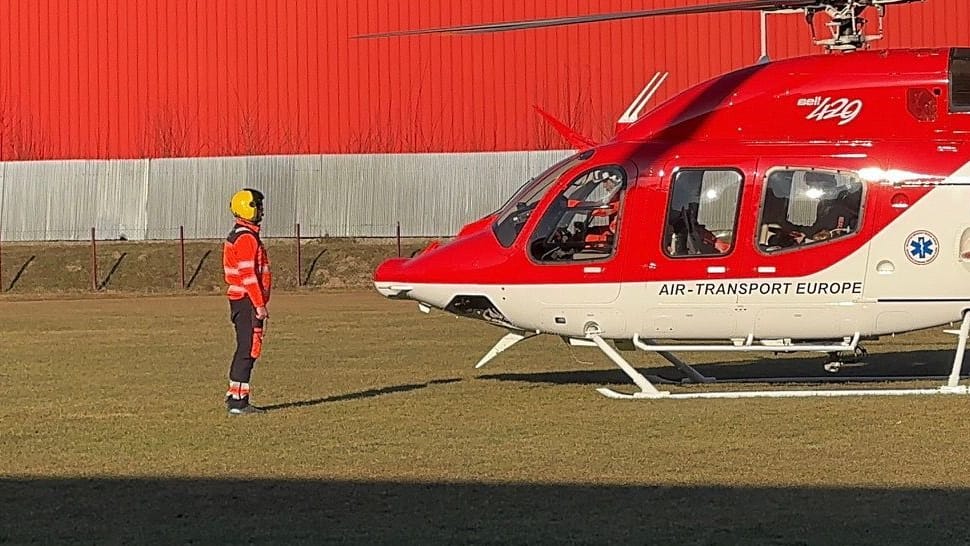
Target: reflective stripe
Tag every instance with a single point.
(257, 347)
(245, 270)
(238, 390)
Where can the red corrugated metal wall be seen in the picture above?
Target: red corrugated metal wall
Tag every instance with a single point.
(160, 78)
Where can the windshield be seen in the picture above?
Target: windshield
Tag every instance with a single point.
(517, 210)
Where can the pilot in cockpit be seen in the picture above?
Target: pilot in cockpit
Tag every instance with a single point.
(600, 230)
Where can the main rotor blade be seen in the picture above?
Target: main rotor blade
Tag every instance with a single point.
(745, 5)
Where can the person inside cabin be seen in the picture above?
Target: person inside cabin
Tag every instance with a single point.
(836, 211)
(597, 230)
(836, 217)
(692, 208)
(785, 238)
(782, 233)
(690, 237)
(603, 220)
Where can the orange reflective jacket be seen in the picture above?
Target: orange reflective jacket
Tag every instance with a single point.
(246, 264)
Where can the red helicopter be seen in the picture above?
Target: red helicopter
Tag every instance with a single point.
(806, 204)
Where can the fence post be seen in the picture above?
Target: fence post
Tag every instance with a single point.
(182, 256)
(299, 257)
(399, 239)
(94, 262)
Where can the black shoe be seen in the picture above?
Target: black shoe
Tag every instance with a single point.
(246, 410)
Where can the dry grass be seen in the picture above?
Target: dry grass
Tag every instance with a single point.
(112, 430)
(155, 267)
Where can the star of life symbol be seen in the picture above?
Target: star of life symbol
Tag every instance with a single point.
(922, 247)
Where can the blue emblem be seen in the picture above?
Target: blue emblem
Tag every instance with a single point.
(922, 247)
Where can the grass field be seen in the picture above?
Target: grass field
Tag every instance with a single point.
(379, 430)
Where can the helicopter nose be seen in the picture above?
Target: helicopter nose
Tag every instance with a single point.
(388, 278)
(390, 270)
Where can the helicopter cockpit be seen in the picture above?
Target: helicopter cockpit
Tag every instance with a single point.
(807, 207)
(581, 223)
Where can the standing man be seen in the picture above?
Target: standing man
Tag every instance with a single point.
(247, 273)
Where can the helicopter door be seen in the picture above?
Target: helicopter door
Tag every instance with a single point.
(807, 217)
(576, 239)
(696, 259)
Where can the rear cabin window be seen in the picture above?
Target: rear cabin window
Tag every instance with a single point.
(581, 223)
(804, 208)
(960, 80)
(703, 212)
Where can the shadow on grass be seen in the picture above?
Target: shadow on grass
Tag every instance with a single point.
(313, 265)
(206, 511)
(370, 393)
(20, 273)
(198, 268)
(112, 271)
(908, 365)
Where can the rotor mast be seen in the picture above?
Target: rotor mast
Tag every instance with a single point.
(847, 25)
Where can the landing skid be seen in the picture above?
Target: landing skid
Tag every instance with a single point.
(649, 391)
(661, 380)
(610, 393)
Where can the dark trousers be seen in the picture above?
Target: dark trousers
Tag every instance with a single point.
(249, 339)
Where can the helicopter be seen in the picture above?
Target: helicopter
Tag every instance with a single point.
(801, 205)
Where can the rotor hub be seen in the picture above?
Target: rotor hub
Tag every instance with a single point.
(847, 26)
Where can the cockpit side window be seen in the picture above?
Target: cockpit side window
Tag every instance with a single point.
(703, 212)
(581, 223)
(516, 211)
(960, 80)
(805, 207)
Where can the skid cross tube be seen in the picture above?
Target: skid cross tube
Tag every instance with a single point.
(685, 368)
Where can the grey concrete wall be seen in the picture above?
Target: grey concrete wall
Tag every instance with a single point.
(335, 195)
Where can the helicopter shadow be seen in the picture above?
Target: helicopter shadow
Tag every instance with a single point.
(896, 366)
(173, 510)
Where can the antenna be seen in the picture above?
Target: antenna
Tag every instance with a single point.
(633, 111)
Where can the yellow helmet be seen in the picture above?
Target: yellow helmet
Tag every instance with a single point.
(247, 204)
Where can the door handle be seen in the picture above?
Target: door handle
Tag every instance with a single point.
(766, 269)
(592, 269)
(716, 269)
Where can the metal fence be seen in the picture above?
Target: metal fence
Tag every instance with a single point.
(327, 195)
